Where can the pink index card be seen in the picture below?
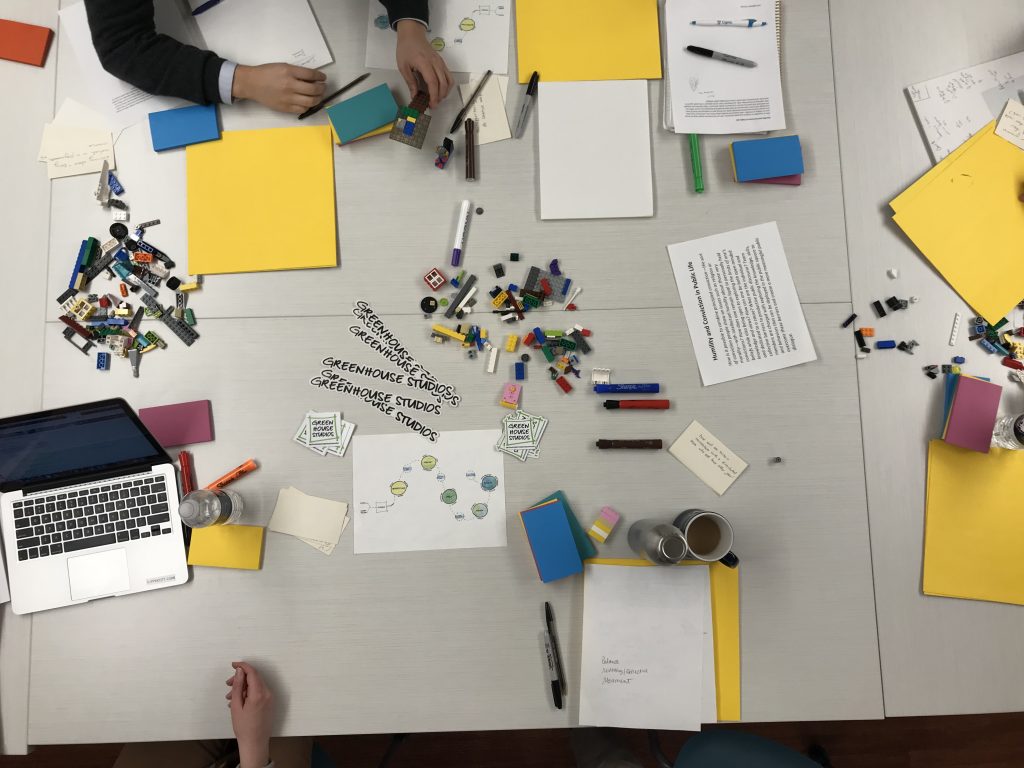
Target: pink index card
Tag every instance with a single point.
(793, 179)
(972, 416)
(180, 423)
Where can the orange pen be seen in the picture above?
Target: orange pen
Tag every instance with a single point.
(233, 475)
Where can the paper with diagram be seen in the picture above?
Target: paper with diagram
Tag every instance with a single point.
(411, 495)
(470, 35)
(952, 108)
(263, 32)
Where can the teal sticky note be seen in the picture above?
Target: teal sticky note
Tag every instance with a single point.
(173, 128)
(584, 545)
(363, 113)
(756, 159)
(554, 550)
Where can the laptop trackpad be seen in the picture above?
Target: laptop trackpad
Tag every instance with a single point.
(104, 573)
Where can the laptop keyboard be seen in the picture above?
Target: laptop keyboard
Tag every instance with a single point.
(107, 513)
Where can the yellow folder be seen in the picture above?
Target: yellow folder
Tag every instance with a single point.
(965, 218)
(973, 536)
(262, 200)
(227, 546)
(588, 40)
(725, 616)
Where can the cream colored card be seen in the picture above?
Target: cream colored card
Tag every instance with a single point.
(1011, 124)
(488, 111)
(707, 457)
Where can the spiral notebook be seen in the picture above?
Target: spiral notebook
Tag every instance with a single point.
(693, 105)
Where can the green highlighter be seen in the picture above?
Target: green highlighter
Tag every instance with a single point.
(698, 173)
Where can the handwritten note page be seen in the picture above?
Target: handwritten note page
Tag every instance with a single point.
(707, 457)
(643, 646)
(70, 150)
(740, 303)
(1011, 124)
(488, 111)
(952, 108)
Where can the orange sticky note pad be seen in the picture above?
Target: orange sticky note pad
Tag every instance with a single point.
(25, 43)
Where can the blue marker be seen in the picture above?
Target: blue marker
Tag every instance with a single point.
(641, 389)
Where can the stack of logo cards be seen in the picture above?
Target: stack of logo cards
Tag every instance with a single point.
(325, 432)
(520, 435)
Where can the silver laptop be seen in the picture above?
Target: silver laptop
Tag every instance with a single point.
(88, 507)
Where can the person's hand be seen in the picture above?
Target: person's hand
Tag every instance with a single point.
(252, 714)
(283, 87)
(415, 54)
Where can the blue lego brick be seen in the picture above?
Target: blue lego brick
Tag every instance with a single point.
(538, 334)
(565, 286)
(115, 187)
(513, 288)
(520, 371)
(959, 360)
(103, 361)
(885, 344)
(988, 346)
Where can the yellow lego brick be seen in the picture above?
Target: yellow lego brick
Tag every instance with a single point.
(499, 301)
(511, 342)
(448, 332)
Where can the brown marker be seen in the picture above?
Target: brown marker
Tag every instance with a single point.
(642, 444)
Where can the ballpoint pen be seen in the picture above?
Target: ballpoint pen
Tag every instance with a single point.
(743, 23)
(469, 102)
(529, 96)
(323, 103)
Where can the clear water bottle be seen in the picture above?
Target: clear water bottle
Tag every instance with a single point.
(659, 542)
(1009, 432)
(203, 508)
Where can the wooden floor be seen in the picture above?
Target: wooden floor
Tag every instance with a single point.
(982, 741)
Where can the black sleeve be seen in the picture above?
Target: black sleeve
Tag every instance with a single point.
(126, 41)
(406, 9)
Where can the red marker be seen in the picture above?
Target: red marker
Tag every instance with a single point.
(188, 483)
(654, 405)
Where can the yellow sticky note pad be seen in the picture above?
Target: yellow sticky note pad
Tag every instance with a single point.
(972, 532)
(262, 200)
(227, 546)
(588, 39)
(964, 216)
(368, 134)
(725, 616)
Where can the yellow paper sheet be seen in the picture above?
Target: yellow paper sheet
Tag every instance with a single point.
(973, 537)
(368, 134)
(227, 546)
(725, 615)
(964, 216)
(262, 200)
(588, 40)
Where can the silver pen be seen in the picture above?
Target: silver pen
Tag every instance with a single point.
(707, 52)
(526, 105)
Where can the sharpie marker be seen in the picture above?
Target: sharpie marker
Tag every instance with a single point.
(622, 389)
(707, 52)
(460, 234)
(653, 405)
(549, 657)
(654, 445)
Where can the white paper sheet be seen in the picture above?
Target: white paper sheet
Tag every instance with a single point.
(122, 103)
(643, 646)
(410, 494)
(488, 111)
(740, 303)
(595, 150)
(709, 683)
(264, 31)
(712, 96)
(472, 36)
(952, 108)
(319, 522)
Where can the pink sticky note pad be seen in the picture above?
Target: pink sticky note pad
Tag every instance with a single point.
(610, 515)
(972, 416)
(793, 179)
(180, 423)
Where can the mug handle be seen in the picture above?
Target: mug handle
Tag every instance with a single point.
(729, 560)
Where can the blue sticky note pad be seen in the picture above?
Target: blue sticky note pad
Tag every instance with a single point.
(584, 544)
(554, 549)
(180, 127)
(756, 159)
(363, 113)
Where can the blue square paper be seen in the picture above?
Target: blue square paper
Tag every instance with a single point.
(755, 159)
(180, 127)
(364, 112)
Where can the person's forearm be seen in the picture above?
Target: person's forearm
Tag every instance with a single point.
(406, 9)
(253, 756)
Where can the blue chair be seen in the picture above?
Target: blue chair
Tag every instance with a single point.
(736, 749)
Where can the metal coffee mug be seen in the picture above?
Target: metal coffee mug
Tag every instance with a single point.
(722, 551)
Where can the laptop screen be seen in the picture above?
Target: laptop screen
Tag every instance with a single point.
(71, 444)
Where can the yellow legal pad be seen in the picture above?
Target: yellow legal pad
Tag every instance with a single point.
(964, 216)
(588, 40)
(227, 546)
(725, 616)
(262, 200)
(973, 532)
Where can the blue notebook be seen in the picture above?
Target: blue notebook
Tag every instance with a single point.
(584, 545)
(363, 113)
(554, 549)
(755, 159)
(180, 127)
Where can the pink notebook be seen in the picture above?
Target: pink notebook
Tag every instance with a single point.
(972, 415)
(793, 179)
(180, 423)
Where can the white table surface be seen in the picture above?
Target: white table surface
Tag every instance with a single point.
(939, 656)
(809, 641)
